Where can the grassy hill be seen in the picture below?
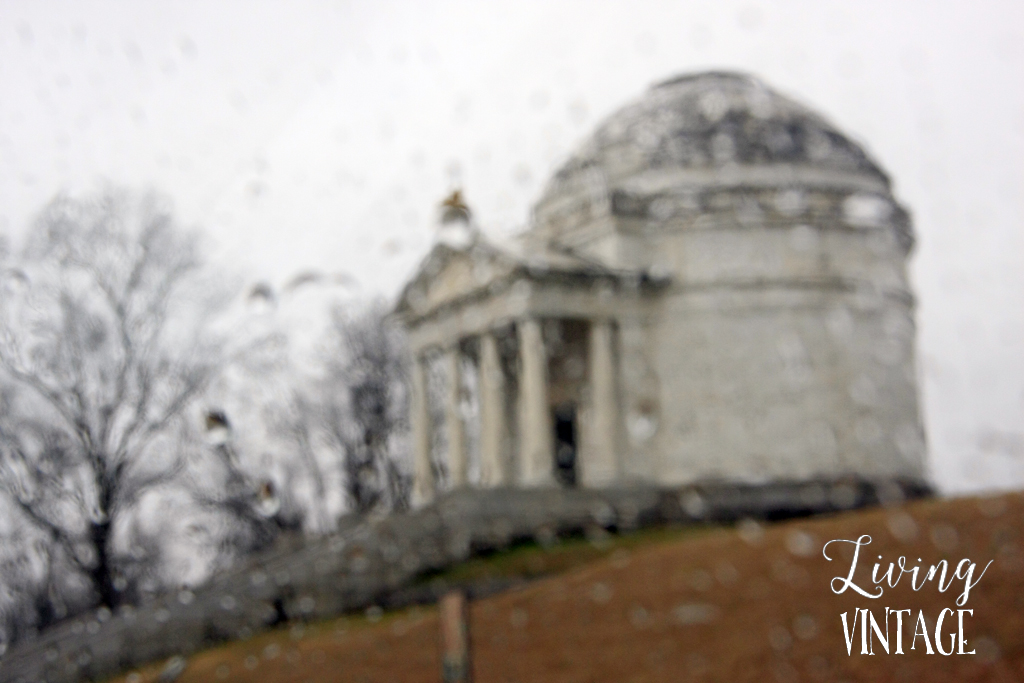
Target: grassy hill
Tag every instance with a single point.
(750, 602)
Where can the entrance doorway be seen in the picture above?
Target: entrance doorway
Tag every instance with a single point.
(565, 445)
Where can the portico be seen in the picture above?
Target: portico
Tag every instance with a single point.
(541, 340)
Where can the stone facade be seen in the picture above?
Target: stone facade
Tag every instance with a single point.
(712, 289)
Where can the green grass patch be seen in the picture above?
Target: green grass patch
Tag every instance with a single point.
(530, 559)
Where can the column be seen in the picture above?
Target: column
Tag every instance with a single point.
(600, 465)
(536, 455)
(423, 473)
(493, 464)
(453, 420)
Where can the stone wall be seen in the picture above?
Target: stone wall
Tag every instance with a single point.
(378, 562)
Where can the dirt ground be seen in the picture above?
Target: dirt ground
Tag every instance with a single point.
(747, 603)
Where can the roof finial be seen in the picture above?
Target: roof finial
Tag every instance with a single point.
(456, 228)
(454, 209)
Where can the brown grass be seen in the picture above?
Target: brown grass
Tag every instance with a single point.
(748, 603)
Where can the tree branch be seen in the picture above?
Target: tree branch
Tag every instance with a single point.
(52, 396)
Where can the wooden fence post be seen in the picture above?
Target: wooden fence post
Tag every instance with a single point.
(455, 660)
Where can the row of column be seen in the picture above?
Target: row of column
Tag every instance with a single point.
(597, 460)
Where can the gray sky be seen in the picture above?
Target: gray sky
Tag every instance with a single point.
(322, 134)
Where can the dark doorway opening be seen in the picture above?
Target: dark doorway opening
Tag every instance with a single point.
(565, 445)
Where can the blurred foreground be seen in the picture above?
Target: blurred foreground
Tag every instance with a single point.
(744, 603)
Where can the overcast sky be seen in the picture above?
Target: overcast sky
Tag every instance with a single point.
(322, 135)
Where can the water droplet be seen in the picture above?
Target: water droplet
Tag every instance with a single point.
(620, 559)
(700, 580)
(693, 504)
(992, 507)
(843, 496)
(792, 203)
(902, 526)
(600, 593)
(545, 536)
(800, 543)
(306, 604)
(726, 573)
(866, 210)
(868, 431)
(863, 391)
(805, 627)
(779, 638)
(713, 106)
(697, 664)
(751, 531)
(639, 617)
(173, 668)
(518, 618)
(988, 650)
(723, 148)
(695, 613)
(944, 537)
(803, 238)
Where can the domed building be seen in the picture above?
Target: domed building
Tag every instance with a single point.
(713, 288)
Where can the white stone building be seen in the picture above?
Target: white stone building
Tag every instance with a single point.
(713, 288)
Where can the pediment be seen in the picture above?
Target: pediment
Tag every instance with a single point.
(449, 274)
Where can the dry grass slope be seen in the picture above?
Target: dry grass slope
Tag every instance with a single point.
(745, 603)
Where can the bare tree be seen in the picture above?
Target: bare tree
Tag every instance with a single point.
(365, 406)
(32, 595)
(255, 505)
(107, 340)
(296, 419)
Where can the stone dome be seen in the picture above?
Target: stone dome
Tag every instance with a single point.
(713, 121)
